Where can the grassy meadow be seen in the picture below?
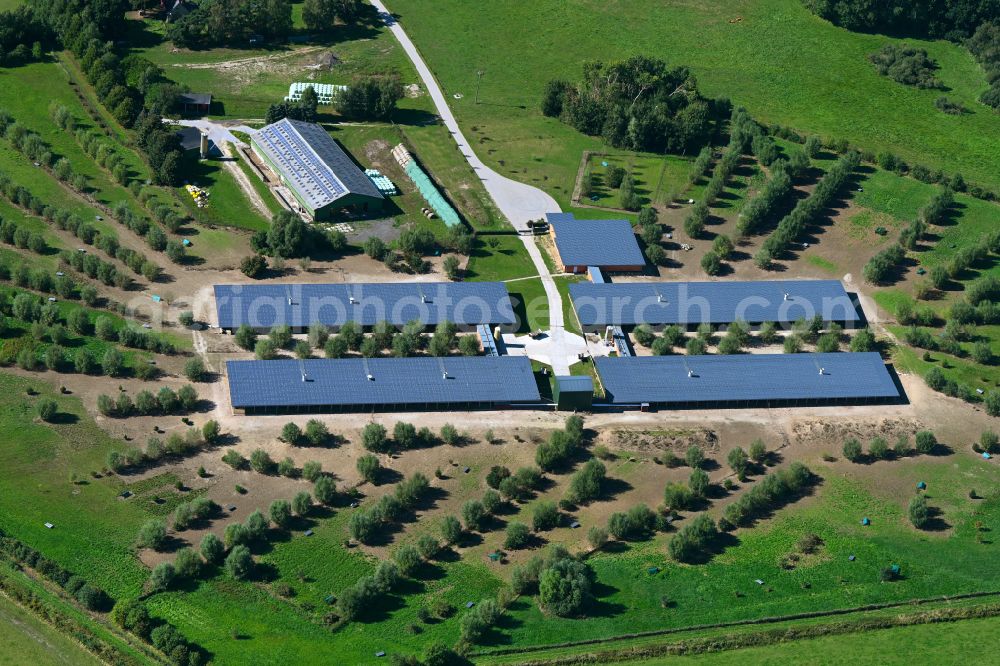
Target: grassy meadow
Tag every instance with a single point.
(762, 54)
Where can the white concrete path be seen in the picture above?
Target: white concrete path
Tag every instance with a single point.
(518, 202)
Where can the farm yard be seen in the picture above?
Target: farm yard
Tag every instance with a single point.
(159, 507)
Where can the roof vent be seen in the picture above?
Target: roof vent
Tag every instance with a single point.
(444, 375)
(659, 298)
(690, 373)
(371, 377)
(352, 300)
(787, 295)
(822, 371)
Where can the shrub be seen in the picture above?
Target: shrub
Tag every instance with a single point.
(194, 369)
(239, 563)
(428, 546)
(47, 409)
(694, 457)
(233, 458)
(316, 432)
(449, 435)
(261, 462)
(404, 435)
(161, 577)
(311, 470)
(451, 530)
(374, 437)
(212, 548)
(280, 513)
(918, 511)
(496, 476)
(152, 534)
(698, 482)
(585, 486)
(878, 448)
(291, 433)
(187, 563)
(738, 461)
(711, 263)
(925, 442)
(324, 490)
(989, 441)
(852, 450)
(516, 536)
(369, 467)
(564, 587)
(693, 539)
(677, 497)
(473, 515)
(545, 516)
(597, 536)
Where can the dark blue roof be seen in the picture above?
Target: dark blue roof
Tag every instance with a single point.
(299, 305)
(415, 381)
(745, 378)
(595, 242)
(780, 301)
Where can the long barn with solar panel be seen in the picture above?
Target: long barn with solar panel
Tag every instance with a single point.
(468, 305)
(689, 304)
(318, 386)
(320, 174)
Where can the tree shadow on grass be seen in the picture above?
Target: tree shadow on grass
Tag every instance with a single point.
(599, 607)
(610, 487)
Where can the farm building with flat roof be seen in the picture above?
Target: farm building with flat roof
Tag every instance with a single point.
(264, 306)
(748, 380)
(320, 174)
(381, 384)
(689, 304)
(608, 244)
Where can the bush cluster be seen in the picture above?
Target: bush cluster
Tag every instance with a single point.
(365, 522)
(772, 491)
(561, 445)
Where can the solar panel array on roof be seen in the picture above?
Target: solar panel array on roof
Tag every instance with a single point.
(263, 306)
(595, 242)
(747, 378)
(689, 303)
(419, 382)
(312, 163)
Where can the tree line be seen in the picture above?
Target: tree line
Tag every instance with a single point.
(807, 210)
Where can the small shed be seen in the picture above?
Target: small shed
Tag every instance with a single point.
(573, 393)
(195, 103)
(866, 522)
(921, 485)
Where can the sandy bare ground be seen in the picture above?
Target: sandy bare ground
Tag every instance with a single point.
(254, 60)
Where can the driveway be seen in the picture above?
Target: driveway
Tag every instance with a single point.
(518, 202)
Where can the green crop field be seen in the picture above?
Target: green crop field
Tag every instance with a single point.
(763, 54)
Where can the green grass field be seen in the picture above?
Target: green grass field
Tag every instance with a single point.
(944, 643)
(25, 638)
(757, 62)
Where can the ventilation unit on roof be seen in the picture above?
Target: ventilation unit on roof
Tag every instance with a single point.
(371, 377)
(787, 296)
(822, 371)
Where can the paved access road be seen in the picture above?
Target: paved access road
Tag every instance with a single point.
(518, 202)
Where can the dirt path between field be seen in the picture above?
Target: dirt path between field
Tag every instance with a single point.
(233, 168)
(242, 62)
